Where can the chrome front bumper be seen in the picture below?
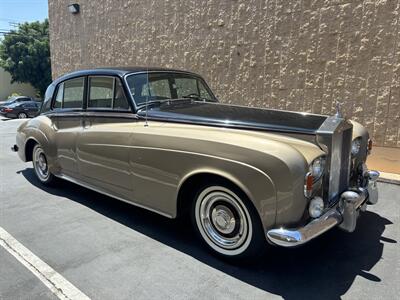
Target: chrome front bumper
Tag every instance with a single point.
(344, 215)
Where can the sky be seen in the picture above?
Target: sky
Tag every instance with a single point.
(19, 11)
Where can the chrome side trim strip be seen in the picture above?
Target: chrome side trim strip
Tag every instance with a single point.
(93, 188)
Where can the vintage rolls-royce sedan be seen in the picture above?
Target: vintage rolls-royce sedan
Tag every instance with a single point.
(159, 139)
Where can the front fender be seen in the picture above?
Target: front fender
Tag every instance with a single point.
(255, 183)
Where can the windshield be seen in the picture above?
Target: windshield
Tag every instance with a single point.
(10, 100)
(166, 86)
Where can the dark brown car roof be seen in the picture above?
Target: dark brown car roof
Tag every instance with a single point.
(118, 71)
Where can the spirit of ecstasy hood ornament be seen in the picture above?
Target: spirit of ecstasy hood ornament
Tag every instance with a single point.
(338, 113)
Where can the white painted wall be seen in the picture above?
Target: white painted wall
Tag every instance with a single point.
(6, 88)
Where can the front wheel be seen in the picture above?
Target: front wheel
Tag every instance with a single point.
(40, 166)
(227, 222)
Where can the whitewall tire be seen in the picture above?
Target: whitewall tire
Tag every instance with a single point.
(41, 166)
(227, 222)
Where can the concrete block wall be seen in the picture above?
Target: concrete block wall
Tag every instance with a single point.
(302, 55)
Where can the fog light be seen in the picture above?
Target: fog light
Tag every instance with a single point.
(316, 207)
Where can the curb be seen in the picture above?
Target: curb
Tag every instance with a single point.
(389, 178)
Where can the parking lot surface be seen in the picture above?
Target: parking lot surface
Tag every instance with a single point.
(112, 250)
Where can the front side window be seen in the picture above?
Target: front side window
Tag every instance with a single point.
(29, 105)
(101, 92)
(167, 85)
(70, 94)
(106, 93)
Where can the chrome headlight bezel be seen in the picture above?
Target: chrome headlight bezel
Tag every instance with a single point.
(317, 167)
(356, 146)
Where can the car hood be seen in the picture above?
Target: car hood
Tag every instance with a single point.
(233, 116)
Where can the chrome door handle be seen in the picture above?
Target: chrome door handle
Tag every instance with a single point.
(86, 124)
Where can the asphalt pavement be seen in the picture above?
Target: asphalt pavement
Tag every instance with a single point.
(112, 250)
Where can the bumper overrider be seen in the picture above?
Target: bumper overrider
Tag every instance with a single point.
(344, 215)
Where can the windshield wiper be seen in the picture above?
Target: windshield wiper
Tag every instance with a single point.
(194, 96)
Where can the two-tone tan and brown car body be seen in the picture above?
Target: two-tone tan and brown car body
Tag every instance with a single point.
(148, 161)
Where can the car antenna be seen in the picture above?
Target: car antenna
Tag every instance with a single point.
(147, 95)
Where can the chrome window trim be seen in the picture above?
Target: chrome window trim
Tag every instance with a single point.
(97, 113)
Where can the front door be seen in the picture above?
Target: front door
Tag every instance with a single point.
(103, 144)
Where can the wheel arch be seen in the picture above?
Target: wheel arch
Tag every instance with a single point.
(191, 183)
(29, 145)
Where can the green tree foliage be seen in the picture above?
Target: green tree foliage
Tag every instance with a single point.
(25, 54)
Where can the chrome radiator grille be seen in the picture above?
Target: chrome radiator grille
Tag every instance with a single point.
(334, 137)
(339, 174)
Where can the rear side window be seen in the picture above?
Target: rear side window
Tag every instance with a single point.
(70, 94)
(23, 99)
(106, 93)
(73, 93)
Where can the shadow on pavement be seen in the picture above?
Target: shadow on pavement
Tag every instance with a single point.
(324, 269)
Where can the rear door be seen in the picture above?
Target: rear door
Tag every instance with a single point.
(66, 122)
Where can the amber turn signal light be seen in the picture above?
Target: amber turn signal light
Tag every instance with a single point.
(308, 187)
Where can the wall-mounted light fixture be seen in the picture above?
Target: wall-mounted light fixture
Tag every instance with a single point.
(73, 8)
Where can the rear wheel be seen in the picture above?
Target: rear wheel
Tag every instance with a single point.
(22, 115)
(227, 222)
(40, 165)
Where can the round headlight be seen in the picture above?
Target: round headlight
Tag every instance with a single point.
(355, 146)
(317, 167)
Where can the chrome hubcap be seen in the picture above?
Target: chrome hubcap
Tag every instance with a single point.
(22, 116)
(40, 164)
(221, 218)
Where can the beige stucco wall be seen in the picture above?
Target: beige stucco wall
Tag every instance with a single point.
(297, 54)
(7, 88)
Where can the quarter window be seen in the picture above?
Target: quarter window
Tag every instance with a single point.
(59, 97)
